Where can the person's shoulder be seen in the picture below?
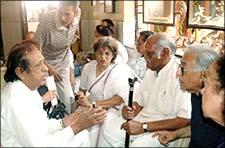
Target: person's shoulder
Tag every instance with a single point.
(173, 68)
(120, 44)
(175, 61)
(122, 69)
(9, 92)
(90, 64)
(121, 65)
(48, 18)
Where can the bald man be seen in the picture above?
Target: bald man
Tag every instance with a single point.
(159, 104)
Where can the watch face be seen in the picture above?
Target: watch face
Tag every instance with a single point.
(145, 126)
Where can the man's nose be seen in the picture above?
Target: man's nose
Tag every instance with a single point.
(44, 68)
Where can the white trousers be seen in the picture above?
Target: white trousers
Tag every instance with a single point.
(96, 131)
(81, 139)
(113, 136)
(64, 88)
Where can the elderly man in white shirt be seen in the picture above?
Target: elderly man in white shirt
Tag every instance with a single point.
(24, 123)
(160, 104)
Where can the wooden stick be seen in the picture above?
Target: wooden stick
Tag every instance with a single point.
(130, 101)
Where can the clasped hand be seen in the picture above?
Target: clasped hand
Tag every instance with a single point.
(84, 119)
(132, 127)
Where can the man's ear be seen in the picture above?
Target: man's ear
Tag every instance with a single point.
(165, 52)
(19, 72)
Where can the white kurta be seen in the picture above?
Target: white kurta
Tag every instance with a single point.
(24, 123)
(162, 98)
(112, 81)
(138, 63)
(122, 55)
(161, 95)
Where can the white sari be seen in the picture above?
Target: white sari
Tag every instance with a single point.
(112, 81)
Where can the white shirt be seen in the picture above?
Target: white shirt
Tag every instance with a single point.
(112, 82)
(161, 96)
(71, 59)
(122, 55)
(138, 63)
(25, 123)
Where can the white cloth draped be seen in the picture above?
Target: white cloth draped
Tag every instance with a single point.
(112, 81)
(24, 123)
(122, 54)
(138, 63)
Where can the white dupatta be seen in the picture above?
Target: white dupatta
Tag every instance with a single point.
(97, 87)
(112, 81)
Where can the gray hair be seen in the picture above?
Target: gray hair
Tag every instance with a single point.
(75, 4)
(205, 55)
(109, 42)
(164, 41)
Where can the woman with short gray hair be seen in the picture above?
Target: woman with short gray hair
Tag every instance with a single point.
(106, 82)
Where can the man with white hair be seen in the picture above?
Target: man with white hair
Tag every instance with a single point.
(159, 104)
(55, 33)
(192, 74)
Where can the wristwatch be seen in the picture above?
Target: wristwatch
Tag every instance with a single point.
(145, 127)
(93, 103)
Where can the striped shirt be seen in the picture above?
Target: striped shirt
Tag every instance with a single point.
(55, 40)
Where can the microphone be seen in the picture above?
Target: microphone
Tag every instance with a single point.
(52, 87)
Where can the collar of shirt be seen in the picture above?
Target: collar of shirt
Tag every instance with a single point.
(59, 26)
(165, 68)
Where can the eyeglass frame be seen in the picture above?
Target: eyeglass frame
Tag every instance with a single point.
(182, 69)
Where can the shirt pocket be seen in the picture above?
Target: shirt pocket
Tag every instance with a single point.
(165, 103)
(146, 100)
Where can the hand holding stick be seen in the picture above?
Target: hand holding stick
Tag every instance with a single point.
(130, 101)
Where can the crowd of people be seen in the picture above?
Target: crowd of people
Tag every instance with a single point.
(173, 98)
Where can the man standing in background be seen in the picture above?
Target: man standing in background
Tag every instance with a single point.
(55, 34)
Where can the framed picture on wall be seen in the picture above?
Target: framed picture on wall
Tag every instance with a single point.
(206, 14)
(109, 6)
(159, 12)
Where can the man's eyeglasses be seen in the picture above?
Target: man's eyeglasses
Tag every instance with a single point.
(182, 69)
